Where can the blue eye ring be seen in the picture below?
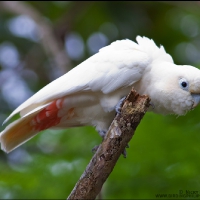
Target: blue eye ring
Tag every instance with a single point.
(183, 84)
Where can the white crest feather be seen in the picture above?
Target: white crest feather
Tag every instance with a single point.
(149, 46)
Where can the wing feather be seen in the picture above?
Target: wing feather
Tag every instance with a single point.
(116, 66)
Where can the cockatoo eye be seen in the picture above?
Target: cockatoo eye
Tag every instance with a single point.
(183, 83)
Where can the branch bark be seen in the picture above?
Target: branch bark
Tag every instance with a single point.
(119, 134)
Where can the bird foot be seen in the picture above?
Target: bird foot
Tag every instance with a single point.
(102, 133)
(94, 149)
(119, 105)
(152, 105)
(124, 153)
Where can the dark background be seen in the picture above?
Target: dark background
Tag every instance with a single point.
(40, 41)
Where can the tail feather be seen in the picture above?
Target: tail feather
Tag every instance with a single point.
(30, 124)
(16, 134)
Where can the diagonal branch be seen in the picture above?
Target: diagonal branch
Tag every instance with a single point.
(50, 43)
(119, 134)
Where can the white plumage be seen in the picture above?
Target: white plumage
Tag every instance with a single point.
(88, 94)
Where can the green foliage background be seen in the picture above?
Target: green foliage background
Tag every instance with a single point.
(164, 153)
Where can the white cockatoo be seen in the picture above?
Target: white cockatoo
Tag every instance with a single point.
(90, 92)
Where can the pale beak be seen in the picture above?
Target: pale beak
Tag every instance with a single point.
(196, 98)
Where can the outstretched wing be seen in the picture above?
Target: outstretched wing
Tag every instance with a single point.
(116, 66)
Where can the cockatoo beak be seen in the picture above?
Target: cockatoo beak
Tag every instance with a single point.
(196, 99)
(195, 92)
(194, 87)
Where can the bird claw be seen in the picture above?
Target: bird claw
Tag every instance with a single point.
(152, 105)
(102, 133)
(94, 149)
(124, 153)
(119, 105)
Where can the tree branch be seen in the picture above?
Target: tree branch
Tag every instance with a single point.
(119, 134)
(51, 45)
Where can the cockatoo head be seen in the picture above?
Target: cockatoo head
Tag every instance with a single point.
(177, 88)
